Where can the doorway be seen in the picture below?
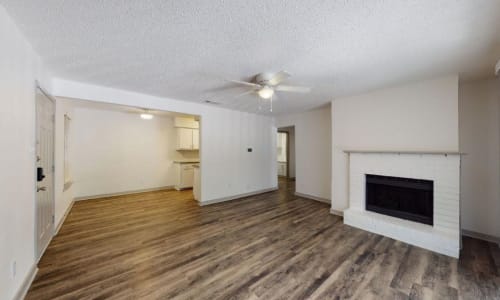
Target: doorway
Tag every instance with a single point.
(286, 152)
(119, 150)
(44, 198)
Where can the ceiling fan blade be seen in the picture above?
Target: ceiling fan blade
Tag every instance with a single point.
(245, 83)
(293, 89)
(279, 77)
(226, 100)
(243, 94)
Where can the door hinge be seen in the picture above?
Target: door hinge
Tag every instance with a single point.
(53, 118)
(53, 219)
(53, 168)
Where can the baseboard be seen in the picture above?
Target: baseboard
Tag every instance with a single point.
(339, 213)
(182, 189)
(66, 213)
(23, 290)
(324, 200)
(168, 187)
(239, 196)
(481, 236)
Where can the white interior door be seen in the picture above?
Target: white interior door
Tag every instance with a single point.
(45, 110)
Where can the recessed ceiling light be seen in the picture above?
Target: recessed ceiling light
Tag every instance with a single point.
(146, 116)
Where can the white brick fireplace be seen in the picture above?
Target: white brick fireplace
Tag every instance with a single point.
(442, 168)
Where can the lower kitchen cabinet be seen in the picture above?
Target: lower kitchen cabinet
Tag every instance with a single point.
(185, 175)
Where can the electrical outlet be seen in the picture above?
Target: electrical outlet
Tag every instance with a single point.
(14, 269)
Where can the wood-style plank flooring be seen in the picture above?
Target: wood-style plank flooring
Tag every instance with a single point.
(162, 245)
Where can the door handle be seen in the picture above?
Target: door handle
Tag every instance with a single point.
(39, 174)
(40, 188)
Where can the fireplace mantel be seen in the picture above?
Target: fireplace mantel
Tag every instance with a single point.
(425, 152)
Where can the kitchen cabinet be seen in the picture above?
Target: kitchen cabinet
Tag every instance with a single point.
(196, 139)
(184, 138)
(186, 122)
(188, 139)
(187, 176)
(184, 175)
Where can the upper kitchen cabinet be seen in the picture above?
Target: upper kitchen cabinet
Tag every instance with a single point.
(184, 139)
(188, 134)
(196, 139)
(185, 122)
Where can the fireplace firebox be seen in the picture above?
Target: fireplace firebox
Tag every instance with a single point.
(405, 198)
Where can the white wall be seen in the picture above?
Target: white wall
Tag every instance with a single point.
(312, 151)
(417, 116)
(20, 67)
(116, 151)
(227, 169)
(480, 140)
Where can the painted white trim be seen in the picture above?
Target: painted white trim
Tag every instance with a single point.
(66, 213)
(481, 236)
(23, 289)
(324, 200)
(235, 197)
(44, 249)
(339, 213)
(182, 189)
(168, 187)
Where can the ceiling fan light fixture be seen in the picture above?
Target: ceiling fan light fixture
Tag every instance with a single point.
(266, 92)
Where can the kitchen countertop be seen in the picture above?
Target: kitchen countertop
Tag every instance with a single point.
(187, 161)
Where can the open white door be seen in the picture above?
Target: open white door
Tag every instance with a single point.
(44, 202)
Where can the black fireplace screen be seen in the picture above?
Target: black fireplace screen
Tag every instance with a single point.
(405, 198)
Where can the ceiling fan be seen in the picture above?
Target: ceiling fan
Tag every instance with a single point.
(266, 84)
